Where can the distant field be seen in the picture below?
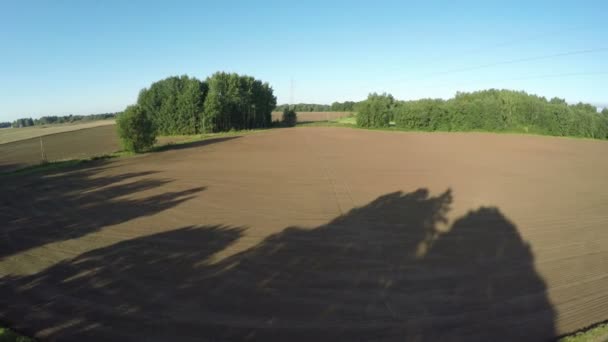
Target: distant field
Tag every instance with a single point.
(15, 134)
(81, 143)
(78, 144)
(314, 116)
(8, 135)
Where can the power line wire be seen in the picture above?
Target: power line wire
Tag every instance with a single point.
(591, 73)
(518, 41)
(507, 62)
(527, 39)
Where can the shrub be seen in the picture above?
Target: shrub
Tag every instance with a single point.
(136, 129)
(290, 118)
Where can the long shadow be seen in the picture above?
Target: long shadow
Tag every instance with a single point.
(384, 271)
(200, 143)
(17, 170)
(36, 210)
(10, 167)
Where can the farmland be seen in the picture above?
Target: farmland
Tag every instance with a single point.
(313, 234)
(15, 134)
(21, 147)
(73, 144)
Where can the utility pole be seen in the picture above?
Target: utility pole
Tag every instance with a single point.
(291, 92)
(42, 153)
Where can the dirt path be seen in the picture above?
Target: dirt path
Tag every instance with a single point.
(314, 234)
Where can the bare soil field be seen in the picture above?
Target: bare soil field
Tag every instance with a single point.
(81, 143)
(323, 234)
(15, 134)
(313, 116)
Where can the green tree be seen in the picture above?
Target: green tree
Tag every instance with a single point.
(604, 123)
(426, 114)
(175, 104)
(347, 106)
(376, 111)
(23, 122)
(237, 102)
(136, 129)
(290, 118)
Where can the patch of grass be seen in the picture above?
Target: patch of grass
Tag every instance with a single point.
(350, 120)
(595, 334)
(7, 335)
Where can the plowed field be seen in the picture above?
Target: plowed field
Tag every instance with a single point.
(322, 234)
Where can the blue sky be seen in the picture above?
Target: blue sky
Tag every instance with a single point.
(82, 57)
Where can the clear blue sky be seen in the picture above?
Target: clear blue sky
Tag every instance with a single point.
(81, 57)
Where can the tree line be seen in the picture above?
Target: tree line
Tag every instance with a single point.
(23, 122)
(346, 106)
(224, 101)
(227, 101)
(54, 119)
(487, 110)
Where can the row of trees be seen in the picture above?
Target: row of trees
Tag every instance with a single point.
(23, 122)
(347, 106)
(185, 105)
(54, 119)
(304, 107)
(224, 101)
(237, 102)
(174, 105)
(489, 110)
(182, 105)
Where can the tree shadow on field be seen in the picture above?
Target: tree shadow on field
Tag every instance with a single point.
(384, 271)
(184, 145)
(37, 210)
(9, 167)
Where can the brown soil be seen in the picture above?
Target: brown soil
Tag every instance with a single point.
(313, 234)
(74, 144)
